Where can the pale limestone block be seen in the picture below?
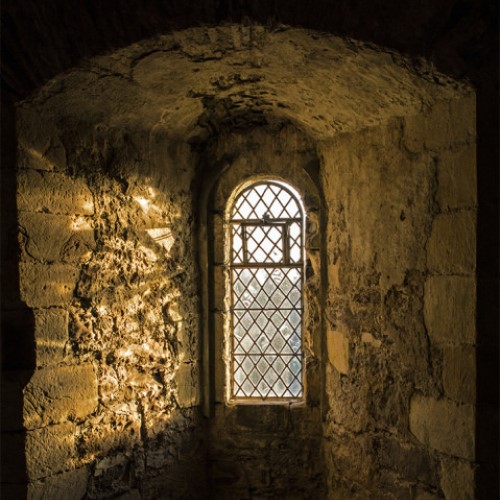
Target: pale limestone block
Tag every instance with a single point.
(338, 351)
(450, 309)
(54, 193)
(428, 130)
(457, 479)
(56, 394)
(448, 122)
(368, 338)
(443, 425)
(50, 450)
(459, 373)
(48, 237)
(188, 387)
(457, 179)
(452, 245)
(70, 485)
(51, 335)
(45, 285)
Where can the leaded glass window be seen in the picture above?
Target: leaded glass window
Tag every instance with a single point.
(267, 253)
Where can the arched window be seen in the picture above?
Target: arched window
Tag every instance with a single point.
(266, 232)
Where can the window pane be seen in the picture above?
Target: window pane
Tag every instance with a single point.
(267, 276)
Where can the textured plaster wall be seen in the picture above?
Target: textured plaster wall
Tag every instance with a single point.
(400, 380)
(108, 177)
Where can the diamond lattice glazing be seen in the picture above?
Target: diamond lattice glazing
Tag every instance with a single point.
(266, 275)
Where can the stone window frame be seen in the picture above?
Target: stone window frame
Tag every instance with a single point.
(215, 323)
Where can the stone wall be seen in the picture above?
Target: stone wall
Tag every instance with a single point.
(106, 268)
(401, 307)
(104, 331)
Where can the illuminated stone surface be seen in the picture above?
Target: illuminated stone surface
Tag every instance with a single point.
(56, 394)
(112, 158)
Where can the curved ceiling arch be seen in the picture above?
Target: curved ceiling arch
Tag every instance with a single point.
(191, 83)
(43, 39)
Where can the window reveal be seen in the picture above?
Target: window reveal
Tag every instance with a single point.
(266, 268)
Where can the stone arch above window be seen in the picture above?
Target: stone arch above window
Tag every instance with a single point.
(265, 229)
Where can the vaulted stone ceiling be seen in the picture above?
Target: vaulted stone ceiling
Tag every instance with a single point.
(44, 38)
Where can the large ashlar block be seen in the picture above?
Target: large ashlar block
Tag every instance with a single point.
(51, 335)
(70, 485)
(443, 425)
(188, 387)
(457, 479)
(457, 182)
(338, 351)
(459, 373)
(452, 245)
(450, 309)
(53, 238)
(55, 394)
(54, 193)
(447, 123)
(50, 450)
(45, 285)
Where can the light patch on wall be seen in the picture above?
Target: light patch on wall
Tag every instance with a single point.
(162, 236)
(81, 224)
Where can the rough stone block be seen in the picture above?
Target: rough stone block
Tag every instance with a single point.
(452, 245)
(53, 238)
(443, 425)
(52, 158)
(448, 122)
(338, 351)
(45, 285)
(457, 180)
(51, 335)
(457, 479)
(459, 373)
(38, 143)
(55, 394)
(50, 450)
(450, 309)
(368, 338)
(70, 485)
(53, 193)
(188, 387)
(413, 463)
